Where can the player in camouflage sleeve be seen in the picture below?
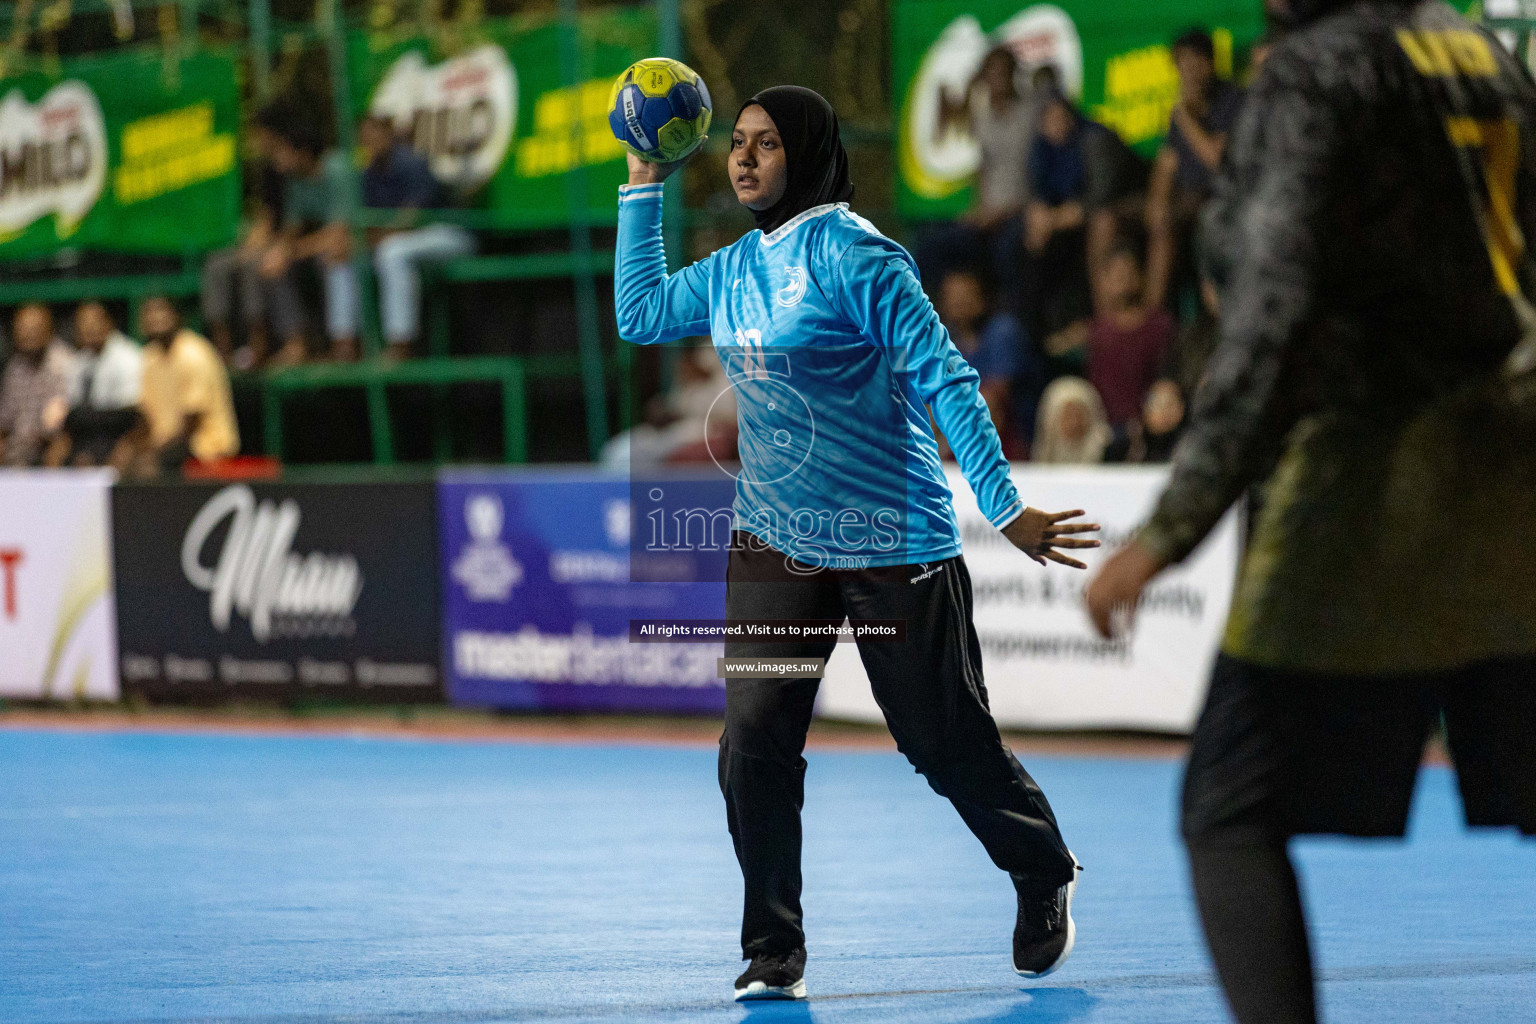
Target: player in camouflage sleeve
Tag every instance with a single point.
(1368, 230)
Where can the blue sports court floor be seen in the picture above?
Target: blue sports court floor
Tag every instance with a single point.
(276, 880)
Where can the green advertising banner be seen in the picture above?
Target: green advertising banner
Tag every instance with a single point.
(128, 152)
(500, 120)
(1112, 56)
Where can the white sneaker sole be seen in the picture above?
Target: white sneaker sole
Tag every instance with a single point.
(760, 990)
(1066, 950)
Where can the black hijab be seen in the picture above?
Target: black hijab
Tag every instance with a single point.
(813, 149)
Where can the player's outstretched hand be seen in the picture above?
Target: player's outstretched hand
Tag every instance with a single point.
(1116, 588)
(1038, 534)
(644, 172)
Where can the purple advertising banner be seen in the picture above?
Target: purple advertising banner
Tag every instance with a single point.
(537, 599)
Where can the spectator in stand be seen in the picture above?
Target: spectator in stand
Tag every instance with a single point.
(396, 178)
(316, 197)
(1152, 437)
(34, 391)
(236, 273)
(1127, 340)
(1083, 180)
(1184, 171)
(104, 394)
(188, 410)
(993, 342)
(1072, 430)
(1001, 118)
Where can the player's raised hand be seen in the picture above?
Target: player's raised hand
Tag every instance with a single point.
(646, 172)
(1039, 534)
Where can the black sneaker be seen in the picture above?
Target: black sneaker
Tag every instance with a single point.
(1044, 932)
(773, 976)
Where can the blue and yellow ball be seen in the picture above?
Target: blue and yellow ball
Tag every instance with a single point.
(659, 109)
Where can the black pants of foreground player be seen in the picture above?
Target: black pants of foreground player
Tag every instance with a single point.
(1278, 754)
(930, 688)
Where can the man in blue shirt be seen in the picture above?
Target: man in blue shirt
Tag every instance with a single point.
(842, 510)
(401, 179)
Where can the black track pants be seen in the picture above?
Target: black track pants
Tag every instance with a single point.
(930, 689)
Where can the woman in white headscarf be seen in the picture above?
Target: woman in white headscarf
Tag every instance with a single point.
(1072, 428)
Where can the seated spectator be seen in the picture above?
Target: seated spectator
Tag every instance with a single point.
(34, 391)
(188, 410)
(1185, 169)
(1072, 430)
(396, 178)
(316, 197)
(236, 273)
(1001, 118)
(1083, 179)
(1127, 340)
(1152, 437)
(103, 395)
(993, 342)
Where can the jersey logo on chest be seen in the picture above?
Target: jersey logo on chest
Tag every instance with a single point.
(794, 290)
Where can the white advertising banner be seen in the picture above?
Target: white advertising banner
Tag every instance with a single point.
(58, 623)
(1045, 667)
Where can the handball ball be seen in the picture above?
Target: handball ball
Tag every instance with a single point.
(659, 109)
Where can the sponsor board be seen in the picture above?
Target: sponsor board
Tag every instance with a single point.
(538, 597)
(120, 152)
(278, 590)
(497, 114)
(1111, 56)
(458, 113)
(1044, 665)
(55, 157)
(57, 631)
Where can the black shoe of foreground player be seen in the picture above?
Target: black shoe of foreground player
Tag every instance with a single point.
(773, 976)
(1044, 931)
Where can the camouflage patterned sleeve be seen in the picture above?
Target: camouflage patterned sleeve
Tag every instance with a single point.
(1264, 226)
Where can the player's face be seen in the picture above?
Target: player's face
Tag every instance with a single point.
(759, 171)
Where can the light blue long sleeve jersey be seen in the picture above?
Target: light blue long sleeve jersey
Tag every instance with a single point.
(835, 355)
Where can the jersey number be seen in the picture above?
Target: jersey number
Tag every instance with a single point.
(754, 365)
